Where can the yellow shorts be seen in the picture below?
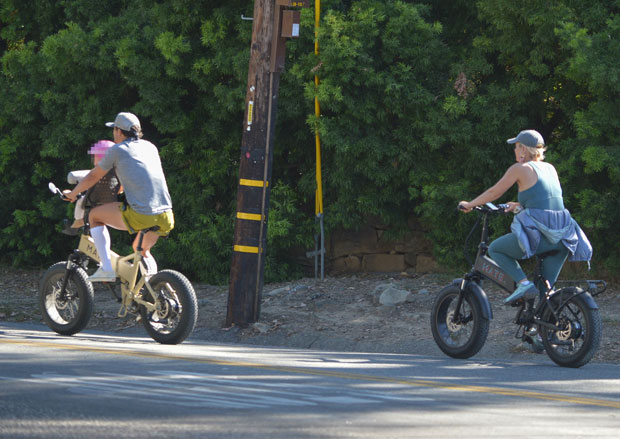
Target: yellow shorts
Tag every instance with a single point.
(137, 221)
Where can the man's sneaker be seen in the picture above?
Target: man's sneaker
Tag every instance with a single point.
(526, 292)
(102, 275)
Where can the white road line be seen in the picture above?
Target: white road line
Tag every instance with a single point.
(205, 390)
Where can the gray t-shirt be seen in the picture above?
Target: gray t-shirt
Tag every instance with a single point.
(139, 170)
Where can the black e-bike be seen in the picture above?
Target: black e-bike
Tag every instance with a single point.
(567, 320)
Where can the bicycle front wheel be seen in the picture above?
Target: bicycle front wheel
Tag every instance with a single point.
(176, 311)
(577, 338)
(66, 312)
(459, 333)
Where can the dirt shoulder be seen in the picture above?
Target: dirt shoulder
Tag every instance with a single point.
(339, 313)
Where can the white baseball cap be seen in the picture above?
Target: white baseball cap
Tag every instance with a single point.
(125, 121)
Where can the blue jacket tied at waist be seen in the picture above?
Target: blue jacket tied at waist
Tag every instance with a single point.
(555, 225)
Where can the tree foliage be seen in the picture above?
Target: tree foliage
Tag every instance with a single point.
(417, 97)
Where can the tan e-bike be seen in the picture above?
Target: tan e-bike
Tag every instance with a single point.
(165, 302)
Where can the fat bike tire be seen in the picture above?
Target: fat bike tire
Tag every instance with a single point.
(578, 340)
(68, 314)
(177, 308)
(464, 338)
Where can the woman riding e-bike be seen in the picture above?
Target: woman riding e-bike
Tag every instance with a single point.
(541, 224)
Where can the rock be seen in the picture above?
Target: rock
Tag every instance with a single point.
(384, 263)
(348, 264)
(278, 291)
(357, 242)
(411, 259)
(392, 296)
(413, 242)
(424, 292)
(426, 264)
(379, 289)
(300, 288)
(260, 327)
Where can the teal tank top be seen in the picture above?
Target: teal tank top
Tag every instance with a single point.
(546, 193)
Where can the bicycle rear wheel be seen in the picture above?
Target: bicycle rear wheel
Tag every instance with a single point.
(579, 334)
(460, 337)
(177, 308)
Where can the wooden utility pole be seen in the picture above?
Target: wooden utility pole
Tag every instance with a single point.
(273, 22)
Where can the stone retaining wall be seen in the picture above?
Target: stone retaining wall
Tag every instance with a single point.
(370, 249)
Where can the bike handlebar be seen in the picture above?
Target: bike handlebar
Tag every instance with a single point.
(485, 209)
(53, 189)
(488, 208)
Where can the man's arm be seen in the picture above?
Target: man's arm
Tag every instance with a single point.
(87, 182)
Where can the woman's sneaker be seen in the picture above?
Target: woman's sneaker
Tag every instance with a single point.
(526, 292)
(535, 343)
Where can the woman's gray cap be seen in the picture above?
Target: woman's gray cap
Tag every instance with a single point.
(531, 138)
(125, 121)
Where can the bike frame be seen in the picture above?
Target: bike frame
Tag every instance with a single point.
(128, 269)
(485, 267)
(132, 274)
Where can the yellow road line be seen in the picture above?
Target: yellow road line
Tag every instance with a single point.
(334, 374)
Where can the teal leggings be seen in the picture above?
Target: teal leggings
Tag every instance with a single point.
(505, 250)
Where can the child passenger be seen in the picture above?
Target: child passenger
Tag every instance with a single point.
(105, 191)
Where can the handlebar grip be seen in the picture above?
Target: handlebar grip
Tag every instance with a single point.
(460, 207)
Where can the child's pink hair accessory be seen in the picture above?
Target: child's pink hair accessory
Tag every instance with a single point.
(100, 148)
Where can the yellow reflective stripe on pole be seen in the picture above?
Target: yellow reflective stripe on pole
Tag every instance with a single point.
(253, 183)
(317, 112)
(245, 249)
(249, 216)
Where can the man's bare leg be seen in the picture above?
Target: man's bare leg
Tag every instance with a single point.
(108, 214)
(149, 240)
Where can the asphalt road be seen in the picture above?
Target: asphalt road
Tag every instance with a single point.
(109, 386)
